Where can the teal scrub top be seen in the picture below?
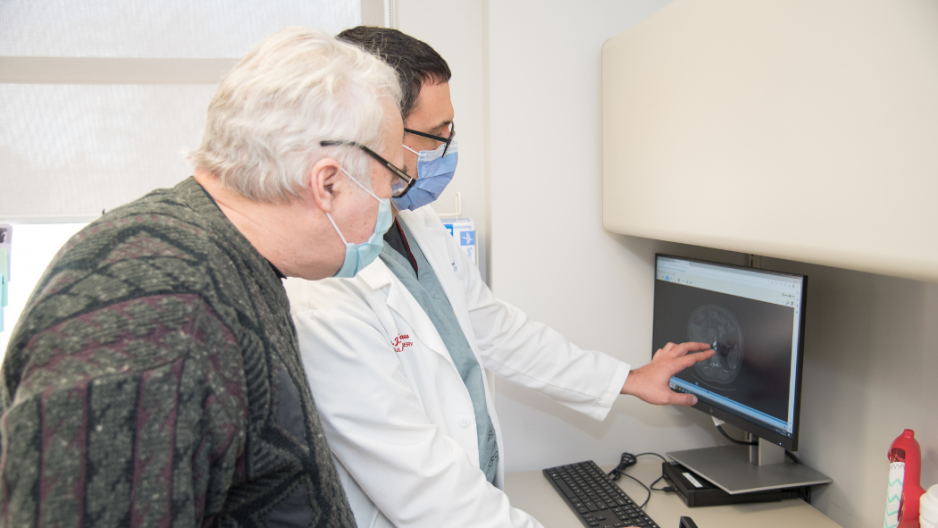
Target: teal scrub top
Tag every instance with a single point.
(423, 284)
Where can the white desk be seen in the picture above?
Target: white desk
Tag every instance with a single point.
(531, 492)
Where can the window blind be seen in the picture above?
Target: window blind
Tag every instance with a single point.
(98, 100)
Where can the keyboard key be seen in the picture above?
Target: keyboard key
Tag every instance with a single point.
(565, 489)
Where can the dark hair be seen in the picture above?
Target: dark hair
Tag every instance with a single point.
(414, 60)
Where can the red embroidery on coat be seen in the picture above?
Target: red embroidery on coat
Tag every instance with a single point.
(400, 343)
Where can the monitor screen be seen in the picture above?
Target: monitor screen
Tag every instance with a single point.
(754, 319)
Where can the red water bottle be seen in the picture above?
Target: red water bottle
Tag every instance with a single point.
(905, 483)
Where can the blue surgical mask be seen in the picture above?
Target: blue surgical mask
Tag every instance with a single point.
(358, 256)
(434, 172)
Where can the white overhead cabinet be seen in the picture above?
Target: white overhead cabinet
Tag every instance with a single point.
(800, 129)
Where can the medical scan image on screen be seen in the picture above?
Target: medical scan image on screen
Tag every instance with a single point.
(716, 326)
(753, 336)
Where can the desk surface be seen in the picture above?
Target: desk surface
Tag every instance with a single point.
(531, 492)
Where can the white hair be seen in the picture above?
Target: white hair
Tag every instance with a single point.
(294, 89)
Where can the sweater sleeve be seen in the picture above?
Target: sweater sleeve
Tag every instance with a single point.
(131, 414)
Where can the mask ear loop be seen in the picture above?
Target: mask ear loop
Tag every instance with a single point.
(442, 146)
(329, 216)
(373, 195)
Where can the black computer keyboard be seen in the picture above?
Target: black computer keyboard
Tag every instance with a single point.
(595, 498)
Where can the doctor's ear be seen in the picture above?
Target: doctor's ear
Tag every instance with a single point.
(325, 183)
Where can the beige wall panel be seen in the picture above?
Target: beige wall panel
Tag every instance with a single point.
(799, 129)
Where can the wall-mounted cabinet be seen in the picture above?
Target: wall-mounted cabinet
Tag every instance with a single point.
(799, 129)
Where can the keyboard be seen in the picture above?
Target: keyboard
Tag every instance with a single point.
(595, 498)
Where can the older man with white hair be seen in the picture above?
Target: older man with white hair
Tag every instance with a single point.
(154, 377)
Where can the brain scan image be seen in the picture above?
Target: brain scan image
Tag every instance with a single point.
(718, 327)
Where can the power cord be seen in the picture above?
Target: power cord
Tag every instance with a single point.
(627, 460)
(735, 441)
(666, 488)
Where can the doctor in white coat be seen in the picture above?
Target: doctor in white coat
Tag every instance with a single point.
(396, 409)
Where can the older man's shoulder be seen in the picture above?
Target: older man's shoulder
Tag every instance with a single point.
(138, 274)
(157, 245)
(172, 223)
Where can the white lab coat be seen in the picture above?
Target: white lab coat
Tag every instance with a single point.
(396, 412)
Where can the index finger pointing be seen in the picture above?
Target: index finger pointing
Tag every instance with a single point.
(691, 359)
(686, 348)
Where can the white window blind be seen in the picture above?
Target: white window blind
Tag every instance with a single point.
(98, 99)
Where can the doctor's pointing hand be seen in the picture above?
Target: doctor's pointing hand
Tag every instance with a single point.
(651, 382)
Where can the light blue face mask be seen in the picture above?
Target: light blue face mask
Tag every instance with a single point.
(358, 256)
(434, 172)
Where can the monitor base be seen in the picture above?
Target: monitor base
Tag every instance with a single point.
(729, 468)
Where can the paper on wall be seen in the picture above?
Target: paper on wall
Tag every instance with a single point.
(464, 231)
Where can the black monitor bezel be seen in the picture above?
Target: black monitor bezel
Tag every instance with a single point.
(713, 408)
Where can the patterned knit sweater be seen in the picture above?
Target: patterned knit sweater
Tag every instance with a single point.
(154, 379)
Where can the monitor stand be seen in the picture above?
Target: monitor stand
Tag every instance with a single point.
(744, 469)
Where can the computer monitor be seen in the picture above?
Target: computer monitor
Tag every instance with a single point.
(755, 321)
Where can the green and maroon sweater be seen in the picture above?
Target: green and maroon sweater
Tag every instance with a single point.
(154, 379)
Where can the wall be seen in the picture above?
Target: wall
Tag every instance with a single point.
(869, 352)
(550, 255)
(869, 373)
(455, 31)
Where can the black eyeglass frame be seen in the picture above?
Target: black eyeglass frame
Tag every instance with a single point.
(409, 182)
(441, 139)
